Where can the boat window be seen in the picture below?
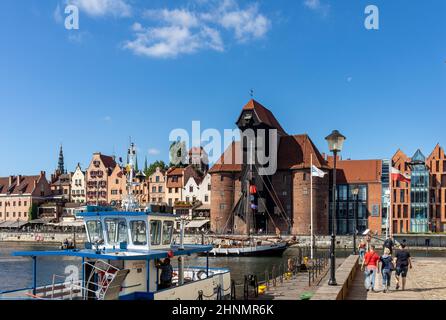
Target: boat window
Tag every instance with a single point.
(139, 235)
(155, 232)
(167, 231)
(95, 231)
(116, 230)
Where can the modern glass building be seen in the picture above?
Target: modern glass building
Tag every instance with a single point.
(419, 194)
(385, 193)
(346, 203)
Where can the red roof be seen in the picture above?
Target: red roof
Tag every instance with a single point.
(357, 171)
(108, 161)
(230, 160)
(294, 153)
(265, 116)
(175, 172)
(26, 184)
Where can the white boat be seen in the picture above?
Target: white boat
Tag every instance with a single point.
(119, 262)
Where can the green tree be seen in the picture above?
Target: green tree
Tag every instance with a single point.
(136, 164)
(32, 212)
(152, 167)
(146, 167)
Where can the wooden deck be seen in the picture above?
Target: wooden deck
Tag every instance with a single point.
(425, 281)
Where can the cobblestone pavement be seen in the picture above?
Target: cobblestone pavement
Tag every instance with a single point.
(425, 281)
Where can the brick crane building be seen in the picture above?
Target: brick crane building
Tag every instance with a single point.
(283, 196)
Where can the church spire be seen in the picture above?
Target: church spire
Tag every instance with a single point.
(60, 164)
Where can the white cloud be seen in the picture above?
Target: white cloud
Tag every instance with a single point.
(184, 31)
(97, 8)
(153, 152)
(246, 24)
(317, 5)
(57, 14)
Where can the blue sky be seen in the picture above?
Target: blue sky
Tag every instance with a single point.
(142, 68)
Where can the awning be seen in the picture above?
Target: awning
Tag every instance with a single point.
(13, 224)
(41, 221)
(69, 224)
(196, 223)
(203, 207)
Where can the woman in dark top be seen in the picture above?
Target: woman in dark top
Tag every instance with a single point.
(386, 268)
(166, 274)
(403, 262)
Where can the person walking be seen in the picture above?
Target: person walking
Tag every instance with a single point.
(386, 268)
(362, 248)
(403, 262)
(389, 243)
(370, 267)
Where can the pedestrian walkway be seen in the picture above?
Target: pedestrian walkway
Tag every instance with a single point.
(425, 281)
(292, 289)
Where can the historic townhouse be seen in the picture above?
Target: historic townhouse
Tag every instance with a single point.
(141, 188)
(78, 187)
(105, 181)
(198, 189)
(157, 186)
(20, 196)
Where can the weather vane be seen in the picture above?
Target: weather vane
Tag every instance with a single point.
(251, 93)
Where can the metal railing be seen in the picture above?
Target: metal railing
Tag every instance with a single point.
(285, 271)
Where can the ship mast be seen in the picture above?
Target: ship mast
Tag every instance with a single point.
(129, 202)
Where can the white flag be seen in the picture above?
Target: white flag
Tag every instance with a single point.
(316, 172)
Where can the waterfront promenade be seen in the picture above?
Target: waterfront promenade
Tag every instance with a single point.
(425, 281)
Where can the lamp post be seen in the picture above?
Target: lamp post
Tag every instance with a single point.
(335, 142)
(355, 192)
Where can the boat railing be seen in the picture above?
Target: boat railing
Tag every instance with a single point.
(107, 274)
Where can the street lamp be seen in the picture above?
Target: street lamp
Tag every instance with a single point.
(335, 142)
(355, 192)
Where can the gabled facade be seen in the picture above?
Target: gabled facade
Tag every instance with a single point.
(78, 187)
(436, 162)
(157, 186)
(97, 179)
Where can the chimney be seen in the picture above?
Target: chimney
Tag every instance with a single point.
(19, 179)
(42, 174)
(10, 180)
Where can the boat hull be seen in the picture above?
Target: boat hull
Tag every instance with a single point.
(258, 251)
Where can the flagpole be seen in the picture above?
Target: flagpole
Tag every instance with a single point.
(311, 204)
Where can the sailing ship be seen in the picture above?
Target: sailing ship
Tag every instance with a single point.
(121, 260)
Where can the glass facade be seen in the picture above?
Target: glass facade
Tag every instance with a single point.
(345, 206)
(419, 194)
(385, 202)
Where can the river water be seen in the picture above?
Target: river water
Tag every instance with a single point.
(16, 272)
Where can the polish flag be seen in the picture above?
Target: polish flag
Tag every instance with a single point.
(399, 176)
